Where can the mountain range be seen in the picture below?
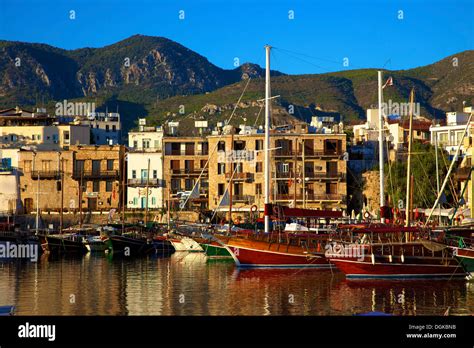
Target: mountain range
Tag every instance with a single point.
(154, 77)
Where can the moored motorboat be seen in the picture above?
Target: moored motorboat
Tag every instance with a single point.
(63, 243)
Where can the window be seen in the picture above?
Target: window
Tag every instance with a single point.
(189, 166)
(238, 167)
(258, 189)
(134, 174)
(95, 167)
(153, 200)
(45, 166)
(189, 184)
(95, 186)
(14, 137)
(146, 143)
(331, 188)
(155, 174)
(220, 168)
(108, 186)
(258, 144)
(27, 166)
(203, 163)
(79, 167)
(221, 146)
(175, 185)
(258, 167)
(114, 128)
(220, 189)
(107, 128)
(135, 144)
(66, 135)
(110, 164)
(84, 186)
(135, 200)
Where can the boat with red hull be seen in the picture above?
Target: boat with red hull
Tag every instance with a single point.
(394, 252)
(264, 253)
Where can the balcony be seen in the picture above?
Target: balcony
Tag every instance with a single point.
(239, 176)
(95, 174)
(308, 153)
(311, 197)
(188, 172)
(325, 176)
(186, 153)
(46, 174)
(144, 182)
(246, 199)
(462, 174)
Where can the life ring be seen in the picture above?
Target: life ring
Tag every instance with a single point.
(253, 208)
(277, 211)
(460, 217)
(366, 215)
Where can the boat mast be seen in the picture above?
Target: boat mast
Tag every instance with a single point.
(80, 199)
(381, 174)
(267, 140)
(61, 222)
(147, 185)
(410, 140)
(37, 203)
(231, 173)
(437, 176)
(123, 189)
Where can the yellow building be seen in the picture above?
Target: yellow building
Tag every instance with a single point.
(307, 170)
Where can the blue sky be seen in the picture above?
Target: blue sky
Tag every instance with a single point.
(321, 35)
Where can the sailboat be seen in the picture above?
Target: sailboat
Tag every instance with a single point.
(277, 248)
(391, 251)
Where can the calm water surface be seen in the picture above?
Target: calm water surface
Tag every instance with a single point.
(190, 284)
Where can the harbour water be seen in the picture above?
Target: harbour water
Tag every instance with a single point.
(191, 284)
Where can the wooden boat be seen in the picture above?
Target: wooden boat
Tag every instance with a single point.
(136, 244)
(461, 240)
(63, 243)
(393, 252)
(185, 244)
(291, 251)
(214, 249)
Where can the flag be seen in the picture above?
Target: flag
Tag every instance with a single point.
(225, 198)
(389, 82)
(195, 192)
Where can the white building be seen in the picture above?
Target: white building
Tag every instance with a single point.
(450, 135)
(9, 181)
(145, 168)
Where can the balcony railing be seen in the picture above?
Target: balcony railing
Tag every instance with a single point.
(144, 182)
(308, 153)
(310, 197)
(46, 174)
(6, 170)
(186, 153)
(239, 176)
(311, 175)
(247, 199)
(95, 174)
(188, 171)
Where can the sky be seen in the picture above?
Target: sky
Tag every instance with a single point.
(309, 36)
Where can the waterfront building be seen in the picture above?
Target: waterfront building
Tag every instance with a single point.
(184, 162)
(308, 170)
(39, 130)
(145, 168)
(9, 182)
(40, 180)
(105, 127)
(449, 135)
(99, 168)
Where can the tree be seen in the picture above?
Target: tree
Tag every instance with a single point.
(423, 169)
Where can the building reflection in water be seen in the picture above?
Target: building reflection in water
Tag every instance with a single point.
(190, 284)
